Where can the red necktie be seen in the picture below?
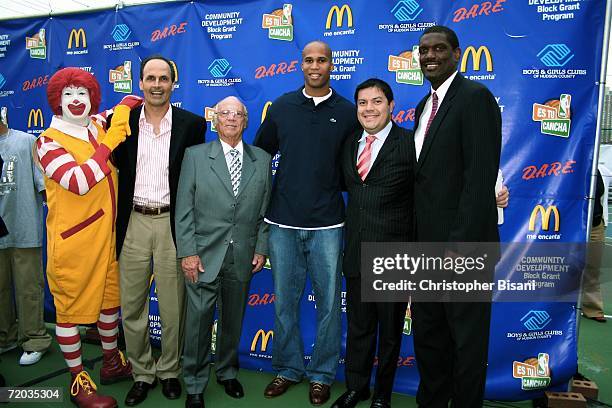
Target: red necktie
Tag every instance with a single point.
(363, 161)
(434, 109)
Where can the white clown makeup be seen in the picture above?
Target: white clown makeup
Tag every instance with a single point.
(76, 105)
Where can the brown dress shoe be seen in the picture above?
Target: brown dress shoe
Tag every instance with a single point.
(277, 387)
(115, 368)
(598, 319)
(83, 393)
(319, 393)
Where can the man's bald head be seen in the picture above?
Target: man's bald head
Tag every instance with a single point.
(230, 120)
(318, 43)
(230, 102)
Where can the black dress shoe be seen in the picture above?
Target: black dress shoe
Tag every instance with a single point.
(194, 401)
(350, 398)
(380, 403)
(233, 388)
(138, 392)
(171, 388)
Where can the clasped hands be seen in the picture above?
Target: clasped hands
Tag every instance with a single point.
(192, 265)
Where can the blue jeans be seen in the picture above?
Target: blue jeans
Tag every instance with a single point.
(295, 253)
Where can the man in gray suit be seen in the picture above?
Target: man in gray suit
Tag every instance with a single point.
(223, 194)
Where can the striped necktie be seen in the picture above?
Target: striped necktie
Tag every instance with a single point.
(434, 109)
(363, 161)
(235, 170)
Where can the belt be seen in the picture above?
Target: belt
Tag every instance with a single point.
(150, 210)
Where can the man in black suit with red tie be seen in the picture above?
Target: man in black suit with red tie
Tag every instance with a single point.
(377, 164)
(458, 142)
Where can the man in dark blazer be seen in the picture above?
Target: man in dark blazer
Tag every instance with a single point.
(377, 164)
(149, 165)
(457, 142)
(222, 241)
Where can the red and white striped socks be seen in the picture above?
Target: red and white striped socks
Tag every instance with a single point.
(108, 327)
(69, 340)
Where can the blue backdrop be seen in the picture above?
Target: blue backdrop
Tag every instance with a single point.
(540, 60)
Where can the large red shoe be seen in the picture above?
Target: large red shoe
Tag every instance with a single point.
(83, 393)
(115, 368)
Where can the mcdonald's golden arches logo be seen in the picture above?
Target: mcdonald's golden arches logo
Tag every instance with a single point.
(545, 215)
(264, 111)
(265, 337)
(78, 37)
(339, 12)
(476, 55)
(35, 118)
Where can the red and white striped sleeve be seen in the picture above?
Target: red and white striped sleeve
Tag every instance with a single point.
(60, 166)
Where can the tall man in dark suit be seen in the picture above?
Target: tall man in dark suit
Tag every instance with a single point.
(458, 142)
(222, 240)
(149, 165)
(377, 164)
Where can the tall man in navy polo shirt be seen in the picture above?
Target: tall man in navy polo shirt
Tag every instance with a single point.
(306, 215)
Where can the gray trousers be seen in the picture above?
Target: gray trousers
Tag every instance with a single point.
(230, 296)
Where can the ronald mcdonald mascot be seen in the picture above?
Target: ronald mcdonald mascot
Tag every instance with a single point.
(81, 186)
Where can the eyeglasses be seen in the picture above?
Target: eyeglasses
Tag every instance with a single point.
(226, 113)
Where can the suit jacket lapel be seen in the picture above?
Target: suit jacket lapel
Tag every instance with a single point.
(353, 158)
(435, 124)
(248, 167)
(176, 133)
(219, 166)
(388, 146)
(132, 141)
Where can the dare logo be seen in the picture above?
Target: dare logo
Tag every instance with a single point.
(169, 31)
(36, 82)
(281, 68)
(257, 299)
(543, 170)
(404, 115)
(485, 8)
(402, 361)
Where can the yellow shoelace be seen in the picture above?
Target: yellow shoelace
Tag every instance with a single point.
(83, 381)
(123, 360)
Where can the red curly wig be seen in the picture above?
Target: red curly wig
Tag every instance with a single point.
(75, 77)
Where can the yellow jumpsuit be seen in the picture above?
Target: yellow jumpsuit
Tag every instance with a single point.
(82, 268)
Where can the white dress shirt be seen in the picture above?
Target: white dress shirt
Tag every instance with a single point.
(226, 152)
(419, 135)
(376, 145)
